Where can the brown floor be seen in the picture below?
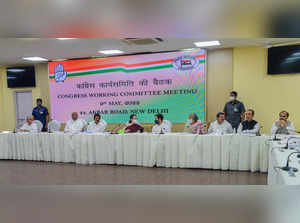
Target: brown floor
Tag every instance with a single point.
(27, 172)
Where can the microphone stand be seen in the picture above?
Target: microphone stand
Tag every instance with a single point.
(287, 142)
(114, 129)
(161, 132)
(275, 136)
(287, 167)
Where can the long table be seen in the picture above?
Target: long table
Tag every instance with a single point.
(227, 152)
(278, 158)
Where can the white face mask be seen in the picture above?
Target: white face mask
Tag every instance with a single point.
(189, 121)
(135, 121)
(231, 98)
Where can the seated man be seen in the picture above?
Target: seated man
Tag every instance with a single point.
(29, 126)
(98, 125)
(133, 125)
(159, 126)
(220, 126)
(194, 125)
(283, 125)
(75, 125)
(249, 126)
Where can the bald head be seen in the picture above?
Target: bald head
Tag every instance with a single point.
(74, 116)
(29, 120)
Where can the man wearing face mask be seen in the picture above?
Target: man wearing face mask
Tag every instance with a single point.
(234, 110)
(160, 126)
(41, 113)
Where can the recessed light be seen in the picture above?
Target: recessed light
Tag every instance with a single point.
(190, 49)
(65, 38)
(207, 43)
(15, 70)
(34, 59)
(111, 51)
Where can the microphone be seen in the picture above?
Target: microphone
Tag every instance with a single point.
(258, 133)
(275, 136)
(287, 142)
(161, 131)
(287, 167)
(113, 131)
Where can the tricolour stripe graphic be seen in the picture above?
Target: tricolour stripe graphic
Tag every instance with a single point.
(126, 68)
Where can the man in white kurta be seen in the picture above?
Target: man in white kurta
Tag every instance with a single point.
(220, 126)
(29, 126)
(75, 125)
(283, 125)
(98, 125)
(160, 126)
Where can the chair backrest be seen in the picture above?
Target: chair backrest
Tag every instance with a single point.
(39, 124)
(88, 118)
(104, 122)
(54, 126)
(167, 122)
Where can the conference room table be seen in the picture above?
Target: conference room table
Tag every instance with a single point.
(176, 150)
(277, 159)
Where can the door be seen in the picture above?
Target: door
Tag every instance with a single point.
(23, 106)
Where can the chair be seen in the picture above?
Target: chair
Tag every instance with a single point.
(54, 126)
(167, 122)
(88, 118)
(39, 124)
(206, 126)
(104, 123)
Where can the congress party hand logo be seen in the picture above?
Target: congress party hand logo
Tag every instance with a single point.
(60, 74)
(185, 62)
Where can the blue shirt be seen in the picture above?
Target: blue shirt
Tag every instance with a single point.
(40, 114)
(233, 111)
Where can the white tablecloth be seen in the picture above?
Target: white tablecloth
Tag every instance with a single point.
(229, 152)
(278, 158)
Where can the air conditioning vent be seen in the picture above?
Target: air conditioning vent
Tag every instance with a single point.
(142, 41)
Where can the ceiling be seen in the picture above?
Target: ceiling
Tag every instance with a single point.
(14, 49)
(163, 18)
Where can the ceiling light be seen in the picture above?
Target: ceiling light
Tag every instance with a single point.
(286, 43)
(111, 51)
(65, 38)
(207, 43)
(190, 49)
(34, 59)
(15, 70)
